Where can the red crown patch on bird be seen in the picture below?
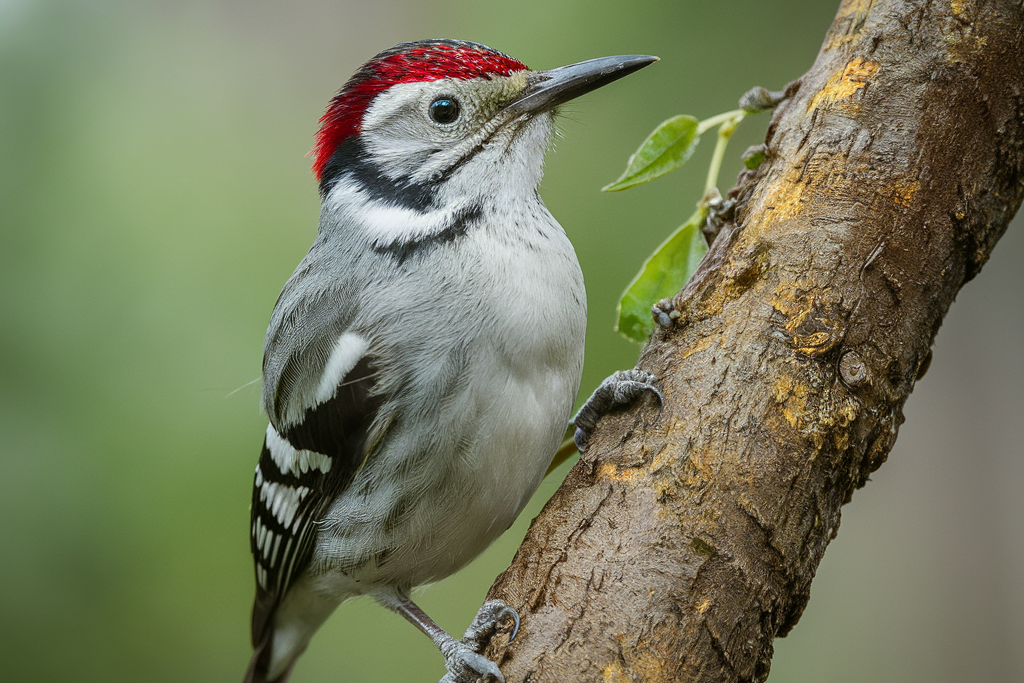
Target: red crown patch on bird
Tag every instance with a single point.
(428, 60)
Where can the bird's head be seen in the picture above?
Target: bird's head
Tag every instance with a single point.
(420, 115)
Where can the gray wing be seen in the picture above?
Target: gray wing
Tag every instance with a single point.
(314, 309)
(316, 442)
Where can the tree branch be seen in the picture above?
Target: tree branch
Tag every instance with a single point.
(685, 540)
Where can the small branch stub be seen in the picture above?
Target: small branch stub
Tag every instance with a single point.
(852, 369)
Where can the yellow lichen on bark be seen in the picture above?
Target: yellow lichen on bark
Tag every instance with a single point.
(701, 346)
(849, 21)
(844, 84)
(961, 38)
(640, 663)
(793, 399)
(826, 179)
(904, 191)
(615, 673)
(612, 472)
(854, 8)
(813, 321)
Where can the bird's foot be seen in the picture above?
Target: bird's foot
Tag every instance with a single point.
(466, 666)
(464, 659)
(620, 390)
(489, 620)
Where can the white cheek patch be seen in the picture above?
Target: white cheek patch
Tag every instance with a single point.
(347, 351)
(388, 224)
(290, 460)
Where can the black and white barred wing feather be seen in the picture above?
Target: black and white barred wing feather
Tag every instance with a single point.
(307, 460)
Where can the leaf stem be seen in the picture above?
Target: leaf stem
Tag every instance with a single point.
(729, 121)
(709, 123)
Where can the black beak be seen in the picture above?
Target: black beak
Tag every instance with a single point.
(548, 89)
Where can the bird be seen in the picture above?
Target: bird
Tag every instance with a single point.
(421, 363)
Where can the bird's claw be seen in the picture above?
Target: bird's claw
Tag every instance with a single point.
(464, 659)
(466, 666)
(485, 624)
(619, 390)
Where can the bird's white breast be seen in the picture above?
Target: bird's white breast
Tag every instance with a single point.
(482, 413)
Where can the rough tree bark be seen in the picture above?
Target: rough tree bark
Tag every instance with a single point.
(685, 539)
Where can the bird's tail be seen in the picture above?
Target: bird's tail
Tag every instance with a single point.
(258, 665)
(285, 629)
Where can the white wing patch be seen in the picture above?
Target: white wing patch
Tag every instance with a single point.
(347, 351)
(273, 555)
(290, 460)
(258, 532)
(283, 502)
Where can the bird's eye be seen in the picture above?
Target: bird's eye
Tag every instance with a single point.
(444, 110)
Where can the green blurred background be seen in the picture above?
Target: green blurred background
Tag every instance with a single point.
(154, 197)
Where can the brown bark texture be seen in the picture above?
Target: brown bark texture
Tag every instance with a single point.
(686, 537)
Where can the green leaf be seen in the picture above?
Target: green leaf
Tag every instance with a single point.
(664, 150)
(753, 157)
(667, 270)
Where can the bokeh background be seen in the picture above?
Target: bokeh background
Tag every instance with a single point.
(154, 197)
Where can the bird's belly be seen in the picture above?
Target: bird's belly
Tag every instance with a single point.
(487, 490)
(476, 427)
(443, 503)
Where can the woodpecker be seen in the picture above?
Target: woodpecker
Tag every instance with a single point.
(421, 363)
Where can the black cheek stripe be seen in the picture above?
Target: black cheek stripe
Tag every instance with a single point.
(351, 159)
